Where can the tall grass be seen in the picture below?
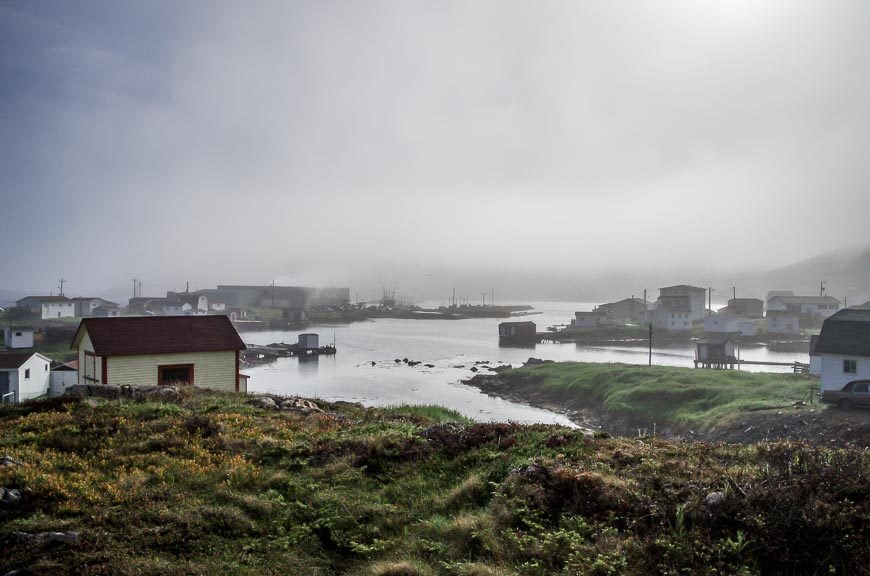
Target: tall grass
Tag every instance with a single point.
(701, 399)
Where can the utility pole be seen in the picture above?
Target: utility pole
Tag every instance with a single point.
(453, 301)
(492, 298)
(650, 343)
(140, 290)
(61, 286)
(134, 287)
(709, 300)
(483, 295)
(187, 287)
(735, 295)
(273, 293)
(822, 288)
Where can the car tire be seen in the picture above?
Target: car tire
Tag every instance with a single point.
(844, 404)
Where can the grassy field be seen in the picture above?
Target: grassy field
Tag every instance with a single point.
(685, 397)
(208, 484)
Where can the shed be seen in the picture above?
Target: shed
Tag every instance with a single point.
(159, 350)
(309, 341)
(517, 333)
(23, 375)
(62, 377)
(18, 337)
(715, 353)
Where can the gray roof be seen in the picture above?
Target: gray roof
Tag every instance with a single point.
(847, 332)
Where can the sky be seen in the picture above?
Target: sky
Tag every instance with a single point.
(423, 143)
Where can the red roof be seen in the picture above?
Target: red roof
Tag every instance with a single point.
(137, 335)
(14, 360)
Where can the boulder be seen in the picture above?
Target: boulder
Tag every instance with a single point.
(714, 500)
(9, 461)
(47, 537)
(9, 497)
(263, 402)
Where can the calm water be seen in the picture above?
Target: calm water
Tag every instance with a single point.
(452, 346)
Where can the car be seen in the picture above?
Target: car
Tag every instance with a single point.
(855, 393)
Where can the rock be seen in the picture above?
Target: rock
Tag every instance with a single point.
(397, 361)
(47, 537)
(10, 461)
(373, 362)
(474, 368)
(413, 362)
(264, 403)
(405, 360)
(714, 500)
(536, 361)
(430, 365)
(9, 497)
(94, 391)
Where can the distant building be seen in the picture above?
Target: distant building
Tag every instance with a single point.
(23, 376)
(626, 311)
(807, 307)
(673, 314)
(689, 296)
(107, 311)
(745, 307)
(783, 322)
(815, 359)
(85, 306)
(48, 307)
(592, 319)
(728, 324)
(148, 351)
(844, 348)
(18, 337)
(517, 333)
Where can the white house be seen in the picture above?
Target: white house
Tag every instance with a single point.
(18, 337)
(591, 319)
(48, 307)
(23, 376)
(783, 322)
(729, 324)
(816, 307)
(844, 348)
(693, 296)
(672, 313)
(157, 350)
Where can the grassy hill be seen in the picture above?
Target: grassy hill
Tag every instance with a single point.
(204, 483)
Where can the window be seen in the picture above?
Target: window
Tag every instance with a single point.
(860, 388)
(46, 367)
(18, 333)
(850, 366)
(27, 373)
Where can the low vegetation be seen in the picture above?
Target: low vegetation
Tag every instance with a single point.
(206, 483)
(668, 396)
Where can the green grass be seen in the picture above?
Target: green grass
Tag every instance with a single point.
(686, 397)
(208, 484)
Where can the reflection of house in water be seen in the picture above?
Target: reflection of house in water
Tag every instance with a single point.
(517, 333)
(715, 353)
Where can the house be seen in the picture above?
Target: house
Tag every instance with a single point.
(85, 306)
(723, 323)
(62, 376)
(695, 298)
(47, 307)
(783, 322)
(107, 311)
(844, 348)
(626, 311)
(715, 353)
(745, 307)
(23, 376)
(807, 307)
(18, 337)
(158, 350)
(815, 359)
(592, 319)
(672, 313)
(517, 333)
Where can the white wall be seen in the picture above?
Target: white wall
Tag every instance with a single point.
(17, 338)
(60, 380)
(783, 325)
(37, 383)
(833, 377)
(58, 310)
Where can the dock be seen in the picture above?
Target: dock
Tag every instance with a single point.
(282, 350)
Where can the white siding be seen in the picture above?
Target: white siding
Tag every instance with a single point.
(18, 338)
(833, 377)
(60, 380)
(214, 370)
(58, 310)
(37, 383)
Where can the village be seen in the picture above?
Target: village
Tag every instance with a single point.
(54, 342)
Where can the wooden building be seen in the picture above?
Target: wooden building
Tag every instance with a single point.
(159, 350)
(715, 353)
(517, 333)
